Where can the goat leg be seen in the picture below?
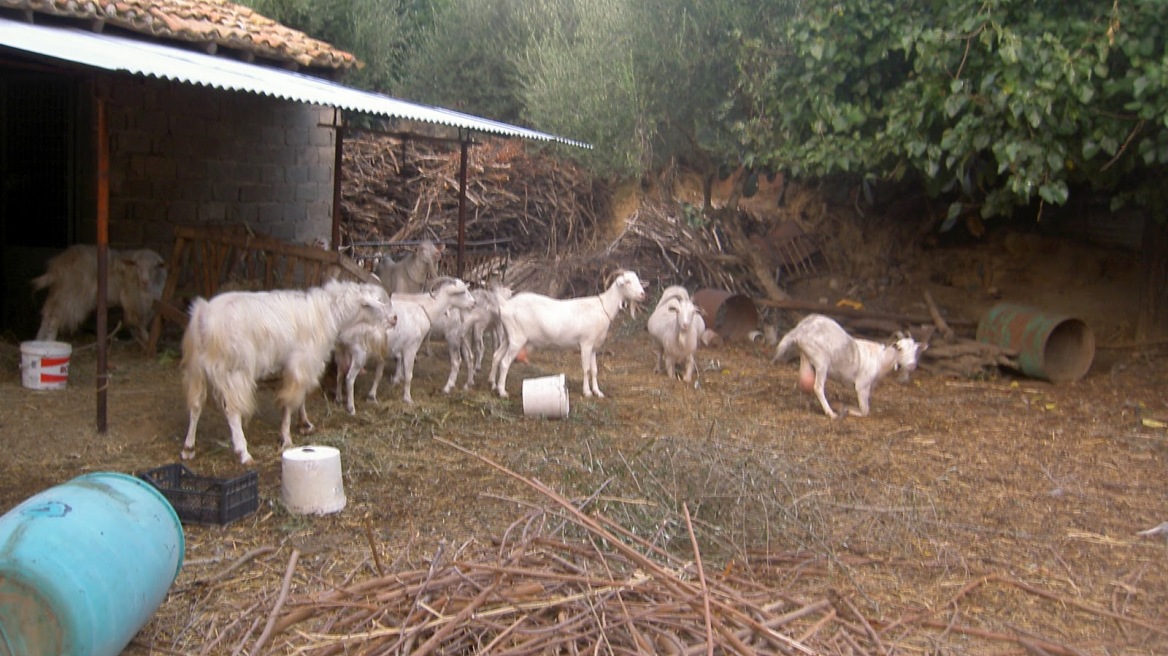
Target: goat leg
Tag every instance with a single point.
(372, 396)
(188, 451)
(820, 385)
(238, 442)
(306, 426)
(863, 392)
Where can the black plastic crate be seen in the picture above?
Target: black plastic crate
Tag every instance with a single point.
(204, 500)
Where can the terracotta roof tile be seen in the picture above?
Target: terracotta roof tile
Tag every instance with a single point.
(204, 22)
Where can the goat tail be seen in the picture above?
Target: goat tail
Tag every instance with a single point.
(41, 281)
(193, 376)
(783, 347)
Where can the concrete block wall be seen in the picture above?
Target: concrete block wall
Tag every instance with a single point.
(187, 155)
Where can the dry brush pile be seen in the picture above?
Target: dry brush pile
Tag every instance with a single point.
(535, 207)
(568, 577)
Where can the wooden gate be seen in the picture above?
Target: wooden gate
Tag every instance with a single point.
(206, 261)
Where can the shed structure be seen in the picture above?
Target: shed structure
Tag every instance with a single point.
(120, 122)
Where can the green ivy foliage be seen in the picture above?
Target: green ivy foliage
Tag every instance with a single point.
(996, 104)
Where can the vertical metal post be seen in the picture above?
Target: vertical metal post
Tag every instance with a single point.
(465, 141)
(102, 381)
(338, 178)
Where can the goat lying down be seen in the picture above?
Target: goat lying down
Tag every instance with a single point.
(826, 350)
(540, 321)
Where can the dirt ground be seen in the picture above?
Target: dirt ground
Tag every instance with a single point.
(948, 482)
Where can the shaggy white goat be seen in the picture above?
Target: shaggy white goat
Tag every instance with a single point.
(237, 338)
(826, 350)
(134, 281)
(676, 326)
(416, 315)
(541, 321)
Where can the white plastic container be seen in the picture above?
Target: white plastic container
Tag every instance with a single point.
(45, 365)
(312, 482)
(546, 397)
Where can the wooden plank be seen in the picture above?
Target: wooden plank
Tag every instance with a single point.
(852, 313)
(172, 269)
(212, 255)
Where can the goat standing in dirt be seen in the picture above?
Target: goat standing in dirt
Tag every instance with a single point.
(827, 350)
(133, 282)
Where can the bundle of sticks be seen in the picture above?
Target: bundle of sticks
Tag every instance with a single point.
(562, 580)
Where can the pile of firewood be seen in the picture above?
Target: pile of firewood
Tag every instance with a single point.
(552, 222)
(563, 579)
(396, 191)
(534, 207)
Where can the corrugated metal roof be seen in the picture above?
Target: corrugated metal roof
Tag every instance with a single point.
(120, 54)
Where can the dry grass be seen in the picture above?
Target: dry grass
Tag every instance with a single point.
(995, 516)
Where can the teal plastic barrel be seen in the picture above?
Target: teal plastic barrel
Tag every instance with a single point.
(84, 565)
(1050, 346)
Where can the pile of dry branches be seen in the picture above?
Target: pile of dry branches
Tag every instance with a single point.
(395, 190)
(536, 208)
(562, 234)
(562, 580)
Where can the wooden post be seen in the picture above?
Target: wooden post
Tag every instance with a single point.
(102, 381)
(465, 142)
(338, 178)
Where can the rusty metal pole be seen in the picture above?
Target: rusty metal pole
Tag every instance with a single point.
(465, 141)
(102, 381)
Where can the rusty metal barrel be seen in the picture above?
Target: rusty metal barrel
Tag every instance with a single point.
(731, 315)
(1050, 346)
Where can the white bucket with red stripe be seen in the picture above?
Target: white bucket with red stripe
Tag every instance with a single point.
(44, 365)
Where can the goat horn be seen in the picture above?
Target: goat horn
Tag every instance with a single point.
(441, 281)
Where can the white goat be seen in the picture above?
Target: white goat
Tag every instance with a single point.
(541, 321)
(134, 281)
(673, 291)
(356, 344)
(413, 272)
(826, 350)
(476, 323)
(676, 325)
(416, 315)
(237, 338)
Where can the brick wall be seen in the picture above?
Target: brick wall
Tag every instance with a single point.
(186, 155)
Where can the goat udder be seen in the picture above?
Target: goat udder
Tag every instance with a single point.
(807, 378)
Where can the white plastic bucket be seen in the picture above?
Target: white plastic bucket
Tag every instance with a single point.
(45, 365)
(546, 397)
(312, 483)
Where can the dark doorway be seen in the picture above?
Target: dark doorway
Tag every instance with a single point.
(39, 186)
